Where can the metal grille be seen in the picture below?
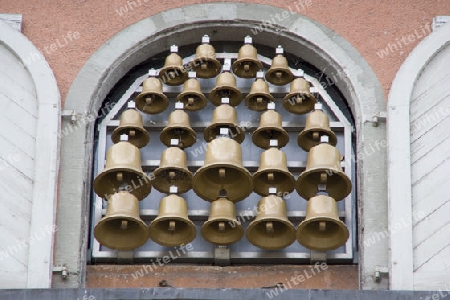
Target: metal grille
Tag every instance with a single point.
(241, 252)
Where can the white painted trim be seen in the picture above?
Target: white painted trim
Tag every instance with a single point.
(40, 255)
(399, 162)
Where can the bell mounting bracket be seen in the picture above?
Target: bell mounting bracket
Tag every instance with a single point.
(379, 117)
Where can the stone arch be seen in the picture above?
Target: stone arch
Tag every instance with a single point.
(231, 21)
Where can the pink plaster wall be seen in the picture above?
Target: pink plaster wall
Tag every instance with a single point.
(77, 28)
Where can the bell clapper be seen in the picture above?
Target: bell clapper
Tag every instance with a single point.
(172, 74)
(222, 172)
(172, 176)
(119, 176)
(270, 176)
(148, 100)
(132, 132)
(191, 100)
(259, 100)
(279, 75)
(172, 225)
(204, 66)
(221, 226)
(246, 67)
(323, 177)
(269, 227)
(124, 225)
(315, 136)
(322, 225)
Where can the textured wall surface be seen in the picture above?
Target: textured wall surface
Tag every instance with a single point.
(69, 32)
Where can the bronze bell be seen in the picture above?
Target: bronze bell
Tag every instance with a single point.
(222, 228)
(172, 170)
(131, 124)
(322, 230)
(317, 124)
(279, 72)
(152, 100)
(225, 88)
(247, 63)
(123, 171)
(173, 72)
(271, 229)
(224, 116)
(259, 96)
(178, 127)
(192, 96)
(299, 100)
(323, 166)
(172, 226)
(270, 128)
(273, 172)
(222, 170)
(121, 228)
(205, 63)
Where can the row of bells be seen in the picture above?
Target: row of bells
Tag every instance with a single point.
(152, 100)
(123, 229)
(222, 171)
(224, 116)
(206, 65)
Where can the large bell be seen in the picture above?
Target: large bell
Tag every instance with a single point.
(121, 228)
(270, 128)
(222, 228)
(224, 116)
(279, 72)
(223, 170)
(152, 100)
(205, 63)
(225, 88)
(178, 127)
(247, 63)
(173, 72)
(323, 166)
(317, 124)
(172, 226)
(259, 96)
(271, 229)
(322, 230)
(172, 170)
(192, 96)
(299, 100)
(131, 124)
(122, 172)
(273, 172)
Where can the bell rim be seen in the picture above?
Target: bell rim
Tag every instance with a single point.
(238, 228)
(140, 103)
(146, 188)
(173, 81)
(240, 137)
(200, 72)
(192, 137)
(212, 199)
(141, 224)
(253, 224)
(192, 230)
(216, 100)
(288, 106)
(289, 75)
(284, 134)
(182, 188)
(303, 136)
(235, 65)
(337, 197)
(115, 136)
(203, 102)
(307, 222)
(261, 192)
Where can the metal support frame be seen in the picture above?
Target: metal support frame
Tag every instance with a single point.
(223, 255)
